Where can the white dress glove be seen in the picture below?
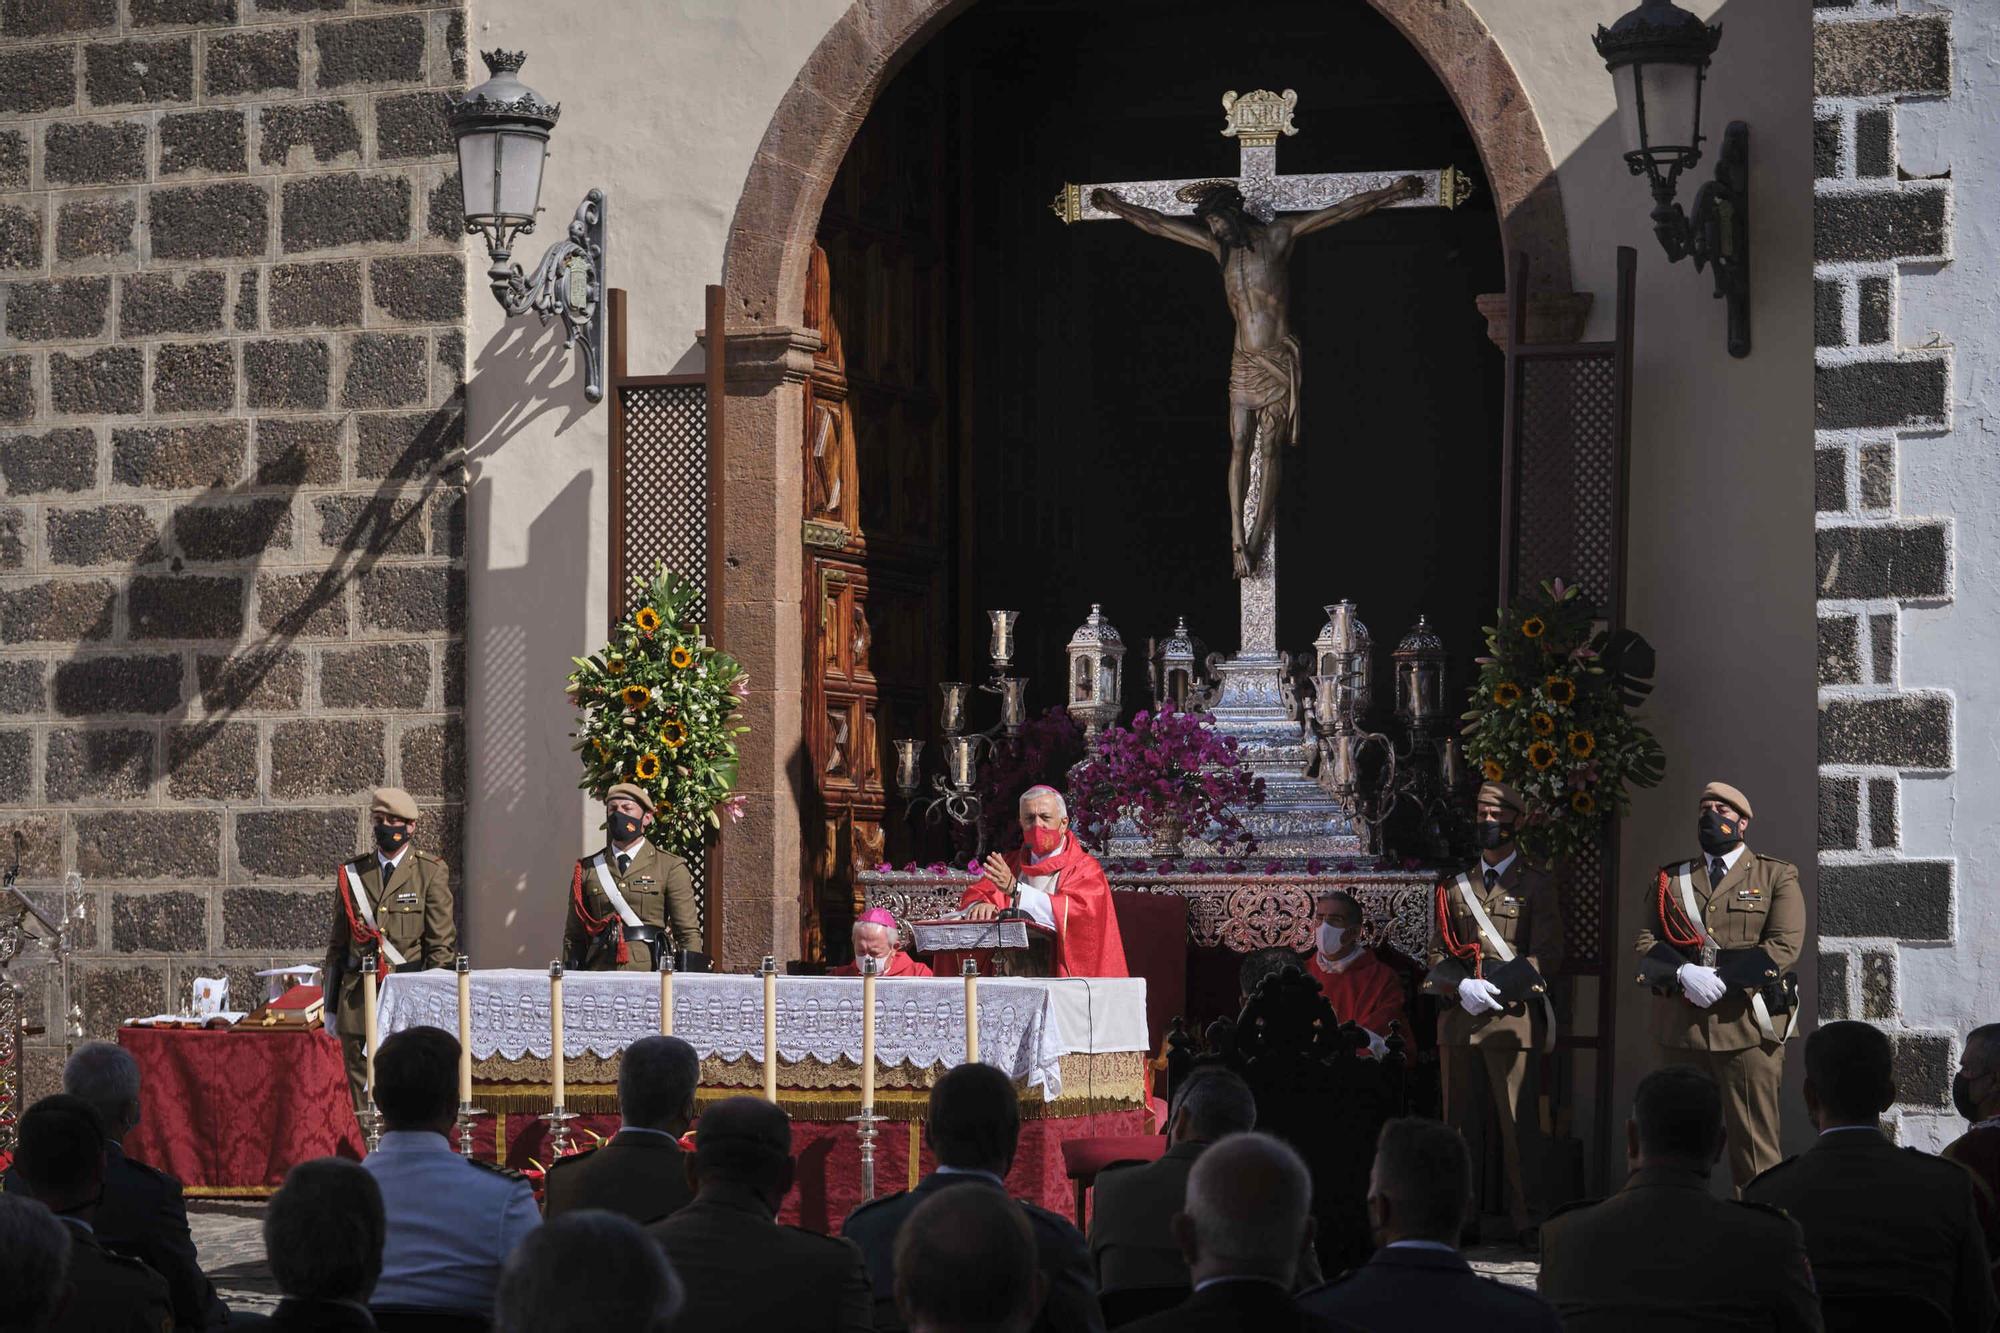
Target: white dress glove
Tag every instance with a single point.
(1702, 985)
(1478, 996)
(1377, 1047)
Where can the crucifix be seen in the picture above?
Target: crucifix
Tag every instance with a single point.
(1239, 221)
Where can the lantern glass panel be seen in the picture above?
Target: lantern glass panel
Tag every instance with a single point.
(475, 174)
(520, 189)
(1080, 690)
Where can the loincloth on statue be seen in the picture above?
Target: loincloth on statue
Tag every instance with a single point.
(1267, 382)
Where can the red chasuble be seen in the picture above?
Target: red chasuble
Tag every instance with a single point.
(1087, 939)
(1367, 992)
(900, 965)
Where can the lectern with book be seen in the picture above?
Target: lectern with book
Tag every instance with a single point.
(1003, 947)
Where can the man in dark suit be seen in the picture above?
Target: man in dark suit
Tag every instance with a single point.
(323, 1235)
(741, 1269)
(142, 1213)
(967, 1261)
(641, 1173)
(1892, 1233)
(973, 1126)
(60, 1163)
(1139, 1264)
(1664, 1252)
(592, 1270)
(34, 1262)
(1418, 1196)
(1247, 1216)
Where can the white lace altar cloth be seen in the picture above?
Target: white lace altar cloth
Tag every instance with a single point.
(1026, 1025)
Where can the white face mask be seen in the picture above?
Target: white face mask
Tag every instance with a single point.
(1328, 937)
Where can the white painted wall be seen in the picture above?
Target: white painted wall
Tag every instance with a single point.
(665, 103)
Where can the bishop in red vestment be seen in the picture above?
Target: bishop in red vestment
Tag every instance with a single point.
(876, 936)
(1362, 988)
(1060, 885)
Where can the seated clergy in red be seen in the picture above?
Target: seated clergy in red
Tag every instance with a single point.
(1060, 885)
(876, 936)
(1362, 988)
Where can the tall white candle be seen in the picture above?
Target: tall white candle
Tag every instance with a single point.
(667, 999)
(770, 970)
(371, 1033)
(868, 968)
(464, 966)
(556, 1031)
(971, 1012)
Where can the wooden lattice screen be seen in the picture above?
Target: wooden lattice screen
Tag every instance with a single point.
(666, 506)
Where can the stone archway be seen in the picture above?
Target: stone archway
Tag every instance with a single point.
(769, 353)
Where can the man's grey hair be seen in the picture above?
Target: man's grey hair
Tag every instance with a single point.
(862, 928)
(1216, 1103)
(657, 1077)
(324, 1230)
(34, 1263)
(104, 1074)
(585, 1271)
(1249, 1196)
(1021, 806)
(1423, 1169)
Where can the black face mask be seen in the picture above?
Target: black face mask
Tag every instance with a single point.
(389, 838)
(1494, 835)
(1961, 1097)
(1718, 833)
(624, 827)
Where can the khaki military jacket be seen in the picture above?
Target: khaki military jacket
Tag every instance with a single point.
(1758, 904)
(414, 913)
(1524, 908)
(656, 885)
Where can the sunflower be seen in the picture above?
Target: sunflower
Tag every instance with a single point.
(674, 734)
(1507, 695)
(1582, 744)
(1543, 724)
(635, 697)
(1491, 770)
(647, 620)
(614, 666)
(1541, 754)
(1560, 689)
(1534, 627)
(681, 657)
(603, 750)
(647, 768)
(1583, 803)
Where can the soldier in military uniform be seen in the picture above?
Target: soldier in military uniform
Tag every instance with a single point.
(1722, 933)
(395, 902)
(622, 898)
(1664, 1252)
(1496, 929)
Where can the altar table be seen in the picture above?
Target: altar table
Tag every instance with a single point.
(1075, 1047)
(227, 1113)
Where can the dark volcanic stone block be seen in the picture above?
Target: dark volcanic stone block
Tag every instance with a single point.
(425, 289)
(1906, 900)
(257, 60)
(212, 761)
(1922, 1067)
(433, 759)
(23, 687)
(1878, 984)
(413, 599)
(94, 152)
(1829, 318)
(99, 764)
(297, 844)
(20, 237)
(203, 141)
(266, 679)
(1829, 480)
(172, 922)
(194, 377)
(1895, 55)
(288, 373)
(1884, 821)
(17, 766)
(150, 844)
(113, 534)
(325, 757)
(110, 380)
(179, 13)
(370, 524)
(1873, 395)
(1839, 813)
(185, 606)
(412, 125)
(96, 686)
(57, 611)
(322, 212)
(276, 919)
(36, 78)
(304, 605)
(1895, 731)
(110, 995)
(14, 156)
(211, 221)
(17, 391)
(1908, 223)
(150, 303)
(50, 18)
(58, 309)
(370, 51)
(385, 370)
(325, 129)
(1906, 560)
(123, 73)
(316, 295)
(95, 229)
(1833, 1002)
(407, 444)
(386, 675)
(236, 531)
(298, 451)
(180, 458)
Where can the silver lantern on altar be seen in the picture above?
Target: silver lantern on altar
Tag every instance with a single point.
(1346, 650)
(1419, 669)
(1178, 670)
(1095, 694)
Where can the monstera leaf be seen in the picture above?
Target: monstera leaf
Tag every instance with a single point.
(1630, 663)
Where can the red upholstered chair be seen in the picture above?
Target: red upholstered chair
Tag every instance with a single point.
(1084, 1158)
(1154, 929)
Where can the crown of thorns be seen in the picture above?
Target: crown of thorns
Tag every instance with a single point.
(1210, 194)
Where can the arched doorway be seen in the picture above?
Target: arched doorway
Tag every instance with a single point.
(774, 592)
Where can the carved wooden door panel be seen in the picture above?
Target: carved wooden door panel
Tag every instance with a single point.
(877, 460)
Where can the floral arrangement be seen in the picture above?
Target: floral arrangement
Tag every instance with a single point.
(1549, 716)
(1170, 772)
(660, 709)
(1042, 753)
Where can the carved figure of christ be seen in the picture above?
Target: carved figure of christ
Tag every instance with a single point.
(1241, 223)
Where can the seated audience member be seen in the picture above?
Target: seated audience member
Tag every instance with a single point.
(1664, 1252)
(739, 1267)
(1419, 1194)
(323, 1233)
(142, 1213)
(876, 936)
(973, 1126)
(452, 1220)
(642, 1172)
(34, 1264)
(1975, 1093)
(1362, 989)
(1138, 1262)
(585, 1272)
(59, 1161)
(1892, 1233)
(966, 1264)
(1248, 1215)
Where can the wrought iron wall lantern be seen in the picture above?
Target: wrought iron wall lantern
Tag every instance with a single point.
(502, 128)
(1658, 56)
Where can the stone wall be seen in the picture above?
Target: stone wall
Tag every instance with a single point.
(1889, 883)
(232, 353)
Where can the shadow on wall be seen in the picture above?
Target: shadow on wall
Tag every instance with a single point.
(532, 617)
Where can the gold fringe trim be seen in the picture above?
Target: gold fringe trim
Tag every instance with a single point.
(229, 1191)
(1116, 1075)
